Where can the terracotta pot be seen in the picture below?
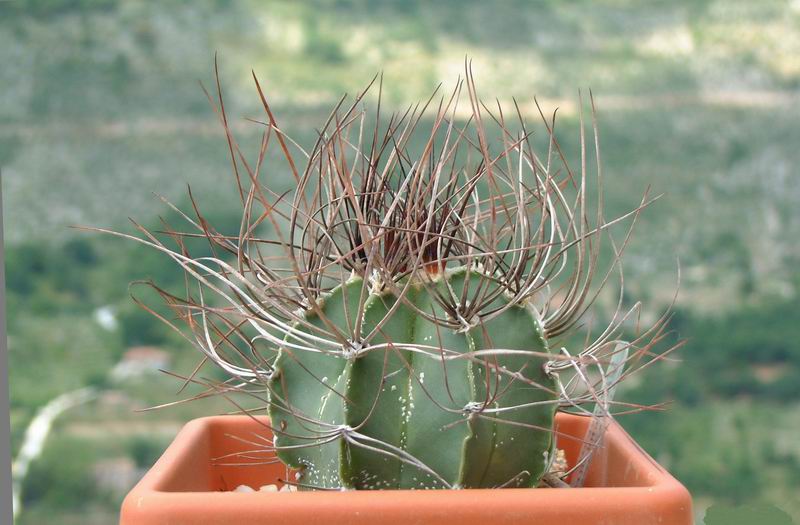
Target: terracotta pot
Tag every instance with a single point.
(188, 485)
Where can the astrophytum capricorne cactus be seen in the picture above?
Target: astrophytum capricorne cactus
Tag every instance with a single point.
(405, 309)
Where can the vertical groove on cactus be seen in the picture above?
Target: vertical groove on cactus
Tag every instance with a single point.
(407, 310)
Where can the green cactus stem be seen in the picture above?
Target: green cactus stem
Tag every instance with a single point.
(421, 395)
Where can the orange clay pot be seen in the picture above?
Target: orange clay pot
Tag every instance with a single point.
(188, 485)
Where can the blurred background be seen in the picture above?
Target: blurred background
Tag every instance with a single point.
(100, 107)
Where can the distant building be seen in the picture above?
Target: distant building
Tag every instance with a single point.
(106, 318)
(140, 360)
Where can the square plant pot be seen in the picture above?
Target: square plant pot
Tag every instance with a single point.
(190, 485)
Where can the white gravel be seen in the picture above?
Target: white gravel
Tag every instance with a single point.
(266, 488)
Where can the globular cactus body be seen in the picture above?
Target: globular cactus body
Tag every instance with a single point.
(425, 408)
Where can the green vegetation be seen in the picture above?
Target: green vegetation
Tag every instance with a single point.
(61, 479)
(100, 107)
(145, 451)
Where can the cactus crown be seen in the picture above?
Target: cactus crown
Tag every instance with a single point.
(404, 309)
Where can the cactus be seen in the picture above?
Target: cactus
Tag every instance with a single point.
(406, 310)
(422, 403)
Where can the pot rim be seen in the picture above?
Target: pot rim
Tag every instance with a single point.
(645, 490)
